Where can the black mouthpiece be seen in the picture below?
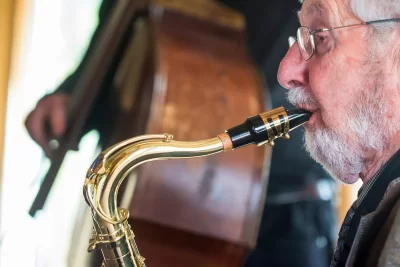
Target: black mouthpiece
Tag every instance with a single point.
(297, 117)
(266, 127)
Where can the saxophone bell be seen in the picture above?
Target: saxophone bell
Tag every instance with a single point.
(111, 232)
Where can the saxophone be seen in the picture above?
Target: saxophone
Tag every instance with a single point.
(111, 232)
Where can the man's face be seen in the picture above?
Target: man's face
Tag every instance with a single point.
(340, 85)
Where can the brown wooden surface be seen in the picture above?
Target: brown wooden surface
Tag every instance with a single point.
(164, 247)
(204, 83)
(210, 10)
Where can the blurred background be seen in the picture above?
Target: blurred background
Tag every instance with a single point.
(42, 43)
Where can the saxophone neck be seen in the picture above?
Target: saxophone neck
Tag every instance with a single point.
(112, 166)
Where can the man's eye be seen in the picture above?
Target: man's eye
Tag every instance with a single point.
(320, 38)
(321, 43)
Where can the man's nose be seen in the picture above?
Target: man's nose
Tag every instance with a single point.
(293, 69)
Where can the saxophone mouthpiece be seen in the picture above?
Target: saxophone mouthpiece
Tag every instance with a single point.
(265, 127)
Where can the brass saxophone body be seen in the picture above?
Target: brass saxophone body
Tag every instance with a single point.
(111, 232)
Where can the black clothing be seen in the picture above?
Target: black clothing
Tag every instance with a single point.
(369, 197)
(101, 116)
(297, 234)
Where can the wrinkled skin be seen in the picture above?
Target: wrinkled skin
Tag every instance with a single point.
(353, 93)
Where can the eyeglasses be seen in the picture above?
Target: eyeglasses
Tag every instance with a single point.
(305, 36)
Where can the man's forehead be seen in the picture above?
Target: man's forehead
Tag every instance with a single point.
(321, 3)
(323, 8)
(312, 6)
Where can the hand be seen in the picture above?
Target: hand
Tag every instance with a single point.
(48, 120)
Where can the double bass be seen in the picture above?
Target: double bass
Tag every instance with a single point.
(185, 70)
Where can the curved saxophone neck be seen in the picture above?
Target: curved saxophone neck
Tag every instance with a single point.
(112, 166)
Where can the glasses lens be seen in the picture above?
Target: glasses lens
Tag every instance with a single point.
(305, 42)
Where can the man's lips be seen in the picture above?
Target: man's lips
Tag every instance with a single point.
(308, 108)
(311, 109)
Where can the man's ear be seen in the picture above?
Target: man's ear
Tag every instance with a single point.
(396, 60)
(393, 50)
(396, 55)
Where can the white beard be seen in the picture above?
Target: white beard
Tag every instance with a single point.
(341, 158)
(329, 149)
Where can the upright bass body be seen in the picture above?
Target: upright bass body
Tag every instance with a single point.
(112, 233)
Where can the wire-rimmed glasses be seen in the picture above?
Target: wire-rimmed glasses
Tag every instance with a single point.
(305, 36)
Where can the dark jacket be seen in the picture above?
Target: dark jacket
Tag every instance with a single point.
(382, 250)
(370, 233)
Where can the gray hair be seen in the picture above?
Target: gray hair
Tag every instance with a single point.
(368, 10)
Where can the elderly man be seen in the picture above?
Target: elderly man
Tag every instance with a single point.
(344, 67)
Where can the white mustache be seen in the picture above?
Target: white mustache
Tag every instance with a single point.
(301, 96)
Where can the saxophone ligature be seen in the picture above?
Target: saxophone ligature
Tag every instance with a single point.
(111, 232)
